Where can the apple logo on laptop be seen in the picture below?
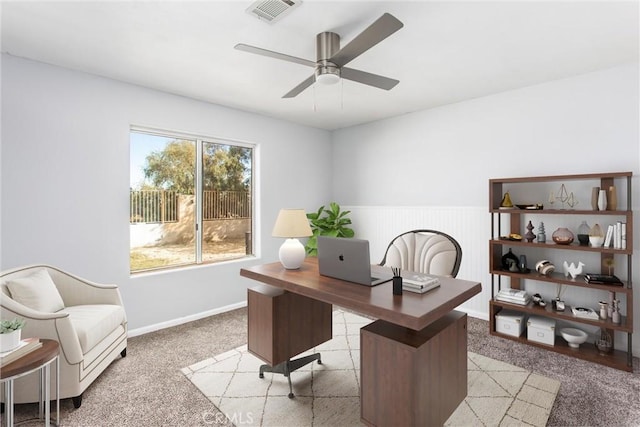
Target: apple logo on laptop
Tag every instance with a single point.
(341, 257)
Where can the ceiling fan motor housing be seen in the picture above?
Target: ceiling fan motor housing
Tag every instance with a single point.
(327, 45)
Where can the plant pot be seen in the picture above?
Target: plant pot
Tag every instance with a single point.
(10, 341)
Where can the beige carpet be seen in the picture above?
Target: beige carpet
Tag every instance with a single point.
(328, 394)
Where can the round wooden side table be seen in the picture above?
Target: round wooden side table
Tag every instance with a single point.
(37, 360)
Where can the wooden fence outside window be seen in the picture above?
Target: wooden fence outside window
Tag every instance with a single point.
(161, 206)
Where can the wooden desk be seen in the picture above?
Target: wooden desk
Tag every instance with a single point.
(413, 328)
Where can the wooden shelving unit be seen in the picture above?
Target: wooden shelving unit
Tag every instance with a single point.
(497, 248)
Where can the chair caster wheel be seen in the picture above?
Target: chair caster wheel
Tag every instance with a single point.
(261, 375)
(291, 396)
(319, 362)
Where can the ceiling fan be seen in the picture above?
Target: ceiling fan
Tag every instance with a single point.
(331, 60)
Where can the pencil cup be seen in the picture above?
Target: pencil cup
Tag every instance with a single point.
(397, 285)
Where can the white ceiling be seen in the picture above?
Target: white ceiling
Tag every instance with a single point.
(448, 51)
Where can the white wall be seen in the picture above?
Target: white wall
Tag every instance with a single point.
(65, 182)
(430, 169)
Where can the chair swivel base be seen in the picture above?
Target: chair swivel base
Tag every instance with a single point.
(288, 366)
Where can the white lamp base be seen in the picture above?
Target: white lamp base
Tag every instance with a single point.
(292, 254)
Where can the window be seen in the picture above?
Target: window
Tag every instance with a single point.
(190, 200)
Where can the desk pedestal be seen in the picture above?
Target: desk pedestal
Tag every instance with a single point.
(283, 324)
(412, 378)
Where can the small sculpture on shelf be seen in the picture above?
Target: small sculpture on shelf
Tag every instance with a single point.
(529, 234)
(538, 300)
(542, 237)
(545, 267)
(506, 202)
(604, 344)
(558, 304)
(609, 263)
(572, 270)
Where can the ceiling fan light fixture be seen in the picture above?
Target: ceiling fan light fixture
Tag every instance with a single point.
(327, 74)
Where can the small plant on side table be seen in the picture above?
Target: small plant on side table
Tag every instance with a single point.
(8, 326)
(10, 333)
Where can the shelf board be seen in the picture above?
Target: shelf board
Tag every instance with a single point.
(566, 315)
(616, 359)
(552, 245)
(561, 279)
(560, 211)
(530, 179)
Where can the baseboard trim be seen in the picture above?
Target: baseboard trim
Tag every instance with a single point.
(186, 319)
(474, 313)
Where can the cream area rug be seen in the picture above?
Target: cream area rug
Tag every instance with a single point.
(499, 394)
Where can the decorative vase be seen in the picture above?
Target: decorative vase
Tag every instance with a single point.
(596, 236)
(583, 233)
(603, 310)
(602, 200)
(562, 236)
(612, 204)
(615, 316)
(610, 306)
(10, 341)
(595, 191)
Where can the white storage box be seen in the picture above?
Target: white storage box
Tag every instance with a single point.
(541, 329)
(510, 323)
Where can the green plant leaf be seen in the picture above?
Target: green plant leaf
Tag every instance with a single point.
(327, 222)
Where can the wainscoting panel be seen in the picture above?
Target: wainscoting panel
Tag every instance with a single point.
(470, 226)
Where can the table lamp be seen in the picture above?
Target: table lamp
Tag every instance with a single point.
(291, 224)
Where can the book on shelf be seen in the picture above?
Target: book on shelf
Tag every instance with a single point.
(513, 296)
(25, 347)
(602, 279)
(584, 312)
(608, 237)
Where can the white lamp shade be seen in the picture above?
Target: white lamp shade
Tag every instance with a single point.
(292, 223)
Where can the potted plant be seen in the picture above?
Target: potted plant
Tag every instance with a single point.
(10, 334)
(327, 222)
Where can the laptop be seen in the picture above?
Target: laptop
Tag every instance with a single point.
(348, 259)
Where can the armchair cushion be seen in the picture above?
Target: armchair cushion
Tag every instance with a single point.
(36, 291)
(93, 323)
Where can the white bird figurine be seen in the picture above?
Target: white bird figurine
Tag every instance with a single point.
(571, 269)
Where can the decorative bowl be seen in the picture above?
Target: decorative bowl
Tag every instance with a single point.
(574, 336)
(596, 241)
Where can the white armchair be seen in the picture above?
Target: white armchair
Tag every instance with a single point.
(87, 319)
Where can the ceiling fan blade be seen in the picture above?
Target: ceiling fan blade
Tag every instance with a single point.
(363, 77)
(276, 55)
(386, 25)
(302, 86)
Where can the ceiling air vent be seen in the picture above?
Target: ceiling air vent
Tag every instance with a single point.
(272, 10)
